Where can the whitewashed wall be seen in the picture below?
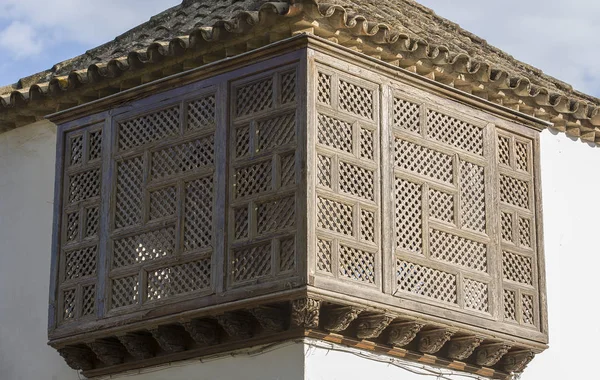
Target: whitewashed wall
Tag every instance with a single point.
(570, 185)
(26, 197)
(571, 181)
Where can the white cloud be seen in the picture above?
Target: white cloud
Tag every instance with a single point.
(19, 40)
(555, 36)
(45, 24)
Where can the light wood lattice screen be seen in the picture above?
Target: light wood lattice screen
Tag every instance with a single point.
(461, 192)
(263, 180)
(347, 179)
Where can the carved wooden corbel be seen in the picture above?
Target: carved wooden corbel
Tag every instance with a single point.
(305, 312)
(462, 347)
(401, 334)
(270, 318)
(140, 346)
(170, 338)
(78, 358)
(109, 352)
(236, 325)
(371, 326)
(432, 341)
(515, 362)
(338, 318)
(203, 331)
(490, 354)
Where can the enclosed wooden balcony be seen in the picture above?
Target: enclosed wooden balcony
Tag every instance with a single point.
(302, 190)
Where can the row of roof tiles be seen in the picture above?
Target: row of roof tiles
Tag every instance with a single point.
(490, 74)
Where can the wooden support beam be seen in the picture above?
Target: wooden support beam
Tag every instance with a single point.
(371, 326)
(401, 334)
(432, 341)
(338, 318)
(270, 318)
(139, 345)
(203, 331)
(461, 348)
(515, 362)
(78, 358)
(170, 338)
(110, 352)
(236, 325)
(490, 354)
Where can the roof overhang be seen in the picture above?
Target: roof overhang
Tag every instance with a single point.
(328, 25)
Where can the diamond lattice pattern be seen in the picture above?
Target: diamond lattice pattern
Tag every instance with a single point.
(262, 179)
(443, 181)
(424, 281)
(80, 224)
(164, 203)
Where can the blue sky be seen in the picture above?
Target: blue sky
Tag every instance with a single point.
(553, 35)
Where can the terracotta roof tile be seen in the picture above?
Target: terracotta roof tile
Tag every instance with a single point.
(401, 28)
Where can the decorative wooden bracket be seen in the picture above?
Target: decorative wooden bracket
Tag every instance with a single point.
(78, 358)
(339, 317)
(203, 331)
(109, 352)
(305, 313)
(170, 338)
(403, 333)
(270, 318)
(140, 346)
(236, 325)
(432, 341)
(371, 326)
(490, 354)
(461, 348)
(515, 362)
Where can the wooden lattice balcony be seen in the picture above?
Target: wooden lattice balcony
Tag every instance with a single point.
(311, 193)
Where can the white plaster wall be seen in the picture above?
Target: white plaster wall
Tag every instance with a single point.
(570, 186)
(26, 197)
(278, 362)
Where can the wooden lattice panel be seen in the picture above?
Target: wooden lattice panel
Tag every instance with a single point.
(441, 213)
(164, 201)
(347, 179)
(78, 264)
(518, 229)
(447, 170)
(263, 185)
